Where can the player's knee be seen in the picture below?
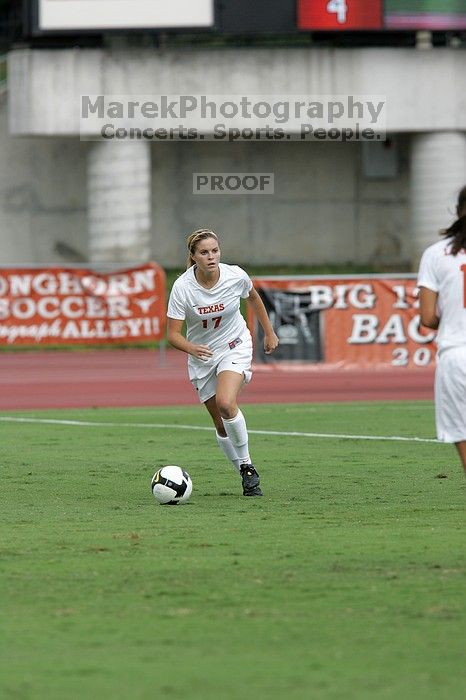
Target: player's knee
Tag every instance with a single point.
(227, 407)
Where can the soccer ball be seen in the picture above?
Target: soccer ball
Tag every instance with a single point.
(171, 485)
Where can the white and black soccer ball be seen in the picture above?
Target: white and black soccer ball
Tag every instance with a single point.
(171, 485)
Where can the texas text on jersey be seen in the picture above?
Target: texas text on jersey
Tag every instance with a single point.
(213, 315)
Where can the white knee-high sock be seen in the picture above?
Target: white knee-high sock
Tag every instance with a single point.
(238, 433)
(228, 450)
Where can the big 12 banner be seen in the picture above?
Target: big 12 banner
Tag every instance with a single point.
(340, 14)
(345, 321)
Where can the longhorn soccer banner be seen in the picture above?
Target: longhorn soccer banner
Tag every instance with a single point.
(345, 321)
(63, 306)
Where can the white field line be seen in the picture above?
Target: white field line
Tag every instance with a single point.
(177, 426)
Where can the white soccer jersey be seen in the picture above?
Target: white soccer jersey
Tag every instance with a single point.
(213, 315)
(445, 274)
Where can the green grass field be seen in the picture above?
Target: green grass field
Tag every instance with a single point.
(347, 580)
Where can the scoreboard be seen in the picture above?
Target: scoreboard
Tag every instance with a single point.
(340, 14)
(257, 17)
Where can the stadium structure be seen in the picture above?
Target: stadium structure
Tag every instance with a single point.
(71, 195)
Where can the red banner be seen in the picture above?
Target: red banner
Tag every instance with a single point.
(62, 306)
(339, 14)
(346, 321)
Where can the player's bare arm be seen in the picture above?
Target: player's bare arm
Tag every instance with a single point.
(178, 341)
(428, 305)
(270, 339)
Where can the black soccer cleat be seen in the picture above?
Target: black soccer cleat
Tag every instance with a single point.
(250, 480)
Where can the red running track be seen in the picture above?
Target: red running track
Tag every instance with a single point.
(137, 378)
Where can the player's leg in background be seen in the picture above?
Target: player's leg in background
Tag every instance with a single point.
(450, 398)
(223, 441)
(461, 447)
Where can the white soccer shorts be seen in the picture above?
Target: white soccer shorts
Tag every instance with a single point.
(237, 360)
(450, 395)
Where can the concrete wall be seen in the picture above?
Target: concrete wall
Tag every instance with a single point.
(42, 197)
(424, 89)
(324, 209)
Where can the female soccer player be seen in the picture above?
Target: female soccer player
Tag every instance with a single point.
(218, 342)
(442, 283)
